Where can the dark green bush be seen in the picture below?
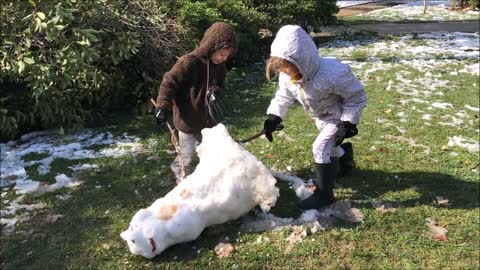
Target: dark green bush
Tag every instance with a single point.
(197, 16)
(76, 60)
(70, 62)
(309, 14)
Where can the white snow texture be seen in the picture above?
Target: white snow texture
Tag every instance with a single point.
(227, 183)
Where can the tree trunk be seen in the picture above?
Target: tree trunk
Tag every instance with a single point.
(424, 6)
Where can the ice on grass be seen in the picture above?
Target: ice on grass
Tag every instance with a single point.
(227, 183)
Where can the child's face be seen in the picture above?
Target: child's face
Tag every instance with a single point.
(221, 55)
(291, 70)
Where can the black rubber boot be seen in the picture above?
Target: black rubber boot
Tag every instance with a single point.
(347, 164)
(324, 183)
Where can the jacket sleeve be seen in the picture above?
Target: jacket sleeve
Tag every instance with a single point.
(283, 99)
(175, 80)
(351, 90)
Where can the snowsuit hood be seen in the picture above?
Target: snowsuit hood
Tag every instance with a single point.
(293, 44)
(217, 36)
(329, 90)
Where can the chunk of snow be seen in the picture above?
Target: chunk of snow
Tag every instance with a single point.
(220, 189)
(473, 69)
(427, 117)
(62, 181)
(475, 109)
(314, 219)
(441, 105)
(26, 186)
(298, 184)
(471, 145)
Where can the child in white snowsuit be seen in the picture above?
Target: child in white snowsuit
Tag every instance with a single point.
(329, 92)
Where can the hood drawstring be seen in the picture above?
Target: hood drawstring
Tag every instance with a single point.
(207, 90)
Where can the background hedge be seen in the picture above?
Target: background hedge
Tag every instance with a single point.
(69, 63)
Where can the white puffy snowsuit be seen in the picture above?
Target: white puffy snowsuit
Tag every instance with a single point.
(328, 91)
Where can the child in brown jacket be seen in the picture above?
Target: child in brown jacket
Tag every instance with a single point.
(193, 90)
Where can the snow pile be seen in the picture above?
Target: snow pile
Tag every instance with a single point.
(48, 146)
(227, 183)
(295, 183)
(314, 219)
(413, 10)
(12, 171)
(410, 47)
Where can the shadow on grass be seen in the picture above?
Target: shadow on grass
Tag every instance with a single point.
(414, 188)
(406, 189)
(94, 216)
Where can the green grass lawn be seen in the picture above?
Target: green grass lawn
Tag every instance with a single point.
(390, 169)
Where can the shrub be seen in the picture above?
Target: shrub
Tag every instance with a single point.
(309, 14)
(67, 63)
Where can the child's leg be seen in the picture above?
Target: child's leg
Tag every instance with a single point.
(341, 156)
(323, 148)
(324, 167)
(188, 143)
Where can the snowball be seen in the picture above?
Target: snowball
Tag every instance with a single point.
(227, 183)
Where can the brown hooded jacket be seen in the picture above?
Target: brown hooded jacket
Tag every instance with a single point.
(183, 88)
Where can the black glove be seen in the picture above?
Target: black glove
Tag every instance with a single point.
(216, 108)
(345, 130)
(273, 123)
(161, 115)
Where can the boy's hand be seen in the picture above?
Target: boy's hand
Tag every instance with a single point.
(273, 123)
(345, 130)
(161, 115)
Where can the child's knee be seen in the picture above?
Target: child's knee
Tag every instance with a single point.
(321, 152)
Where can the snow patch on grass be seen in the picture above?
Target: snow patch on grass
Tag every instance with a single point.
(14, 177)
(471, 145)
(413, 10)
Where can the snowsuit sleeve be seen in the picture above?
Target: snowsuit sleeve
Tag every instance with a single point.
(283, 99)
(351, 90)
